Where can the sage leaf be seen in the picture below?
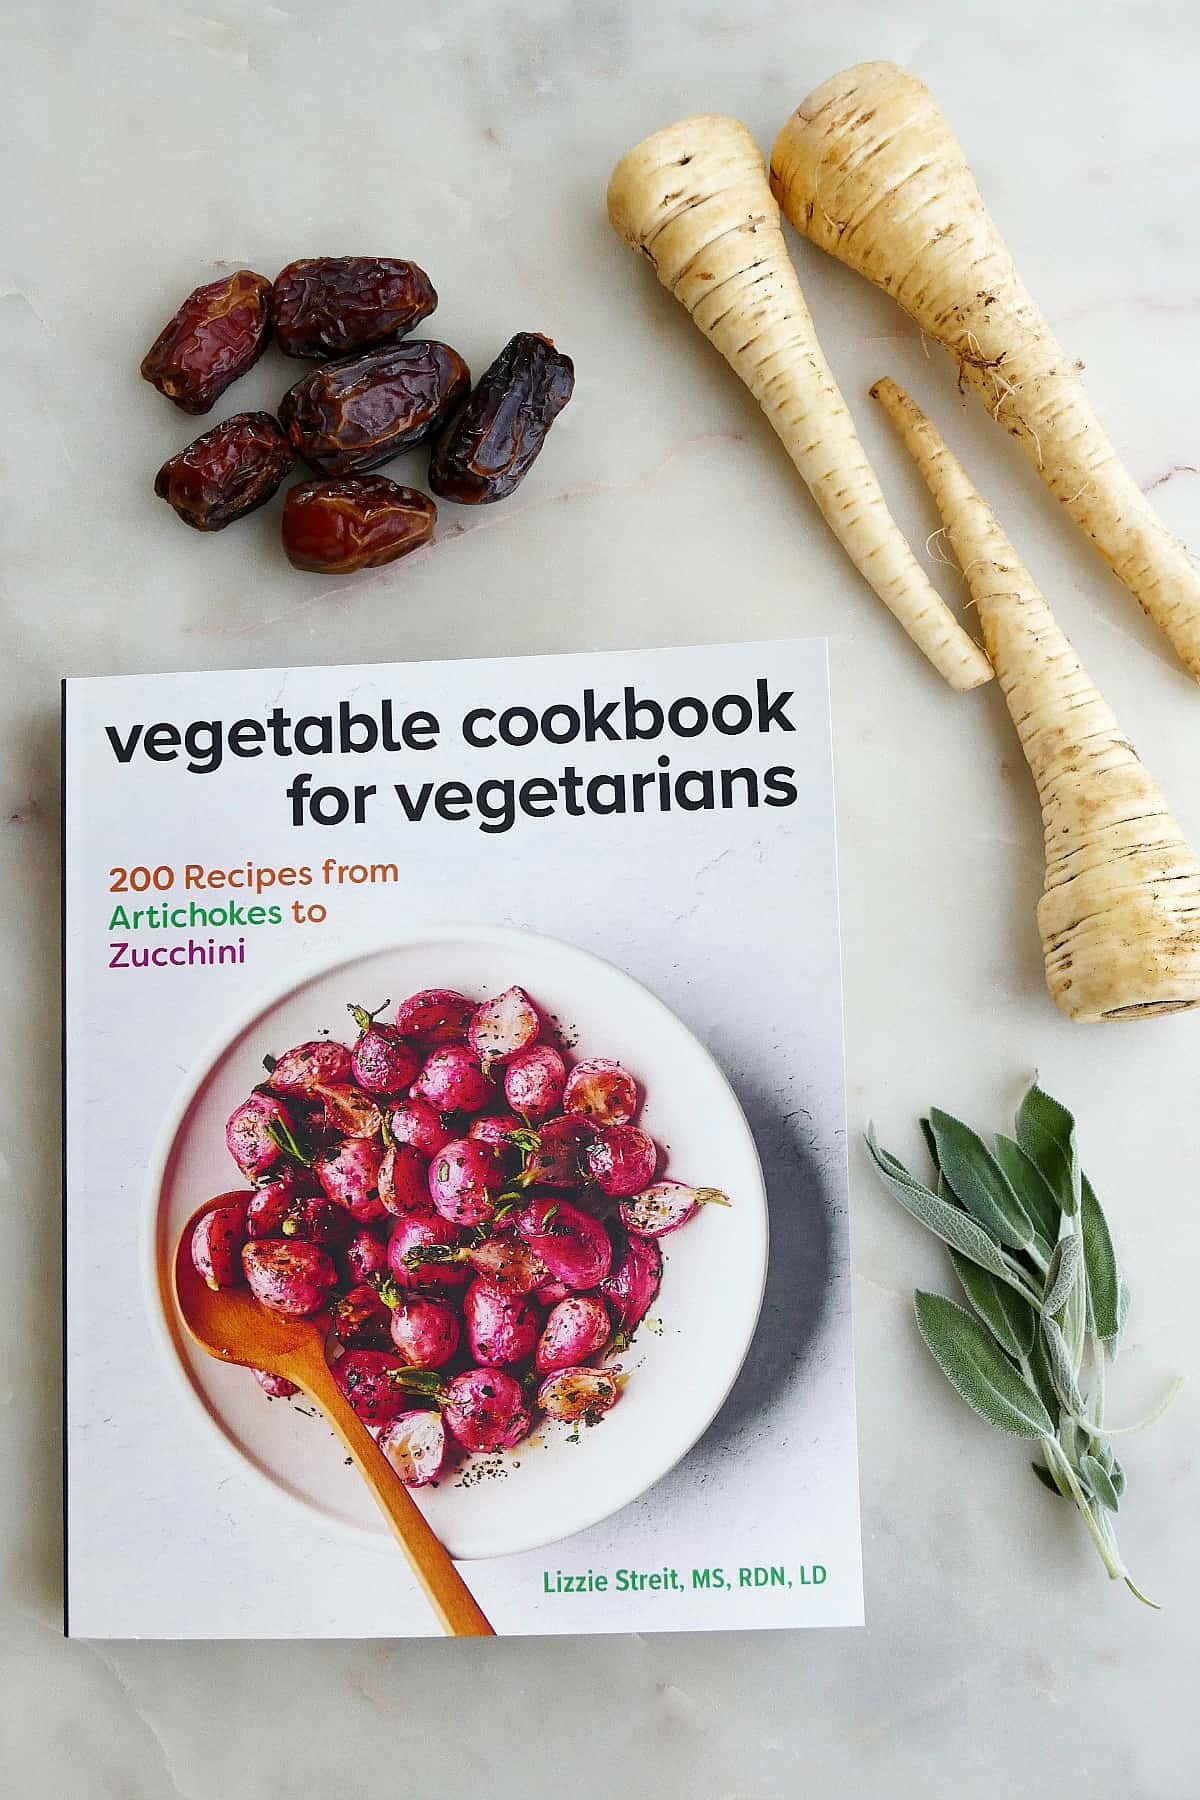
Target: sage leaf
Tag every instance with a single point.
(978, 1369)
(1047, 1480)
(1103, 1453)
(1034, 1191)
(1046, 1133)
(975, 1176)
(1100, 1482)
(1113, 1344)
(1034, 1258)
(1039, 1369)
(892, 1164)
(948, 1222)
(1062, 1372)
(1104, 1282)
(1075, 1322)
(1011, 1321)
(1063, 1272)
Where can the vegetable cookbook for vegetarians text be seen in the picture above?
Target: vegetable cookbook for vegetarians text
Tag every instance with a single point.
(456, 1231)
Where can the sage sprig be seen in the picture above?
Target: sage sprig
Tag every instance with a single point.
(1034, 1256)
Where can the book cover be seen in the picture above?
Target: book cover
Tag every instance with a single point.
(479, 1024)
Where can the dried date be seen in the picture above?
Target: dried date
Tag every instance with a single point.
(226, 472)
(218, 332)
(354, 414)
(487, 448)
(359, 522)
(340, 305)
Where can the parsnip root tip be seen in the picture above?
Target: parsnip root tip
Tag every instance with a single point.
(1120, 912)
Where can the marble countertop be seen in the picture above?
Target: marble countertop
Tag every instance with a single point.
(150, 144)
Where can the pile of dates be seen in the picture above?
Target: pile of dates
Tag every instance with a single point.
(373, 392)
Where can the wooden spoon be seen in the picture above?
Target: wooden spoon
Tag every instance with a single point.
(230, 1324)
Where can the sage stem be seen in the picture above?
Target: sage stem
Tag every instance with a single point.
(1104, 1543)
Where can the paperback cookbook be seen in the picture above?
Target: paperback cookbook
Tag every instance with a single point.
(484, 1019)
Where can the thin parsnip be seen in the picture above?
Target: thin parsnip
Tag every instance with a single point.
(1120, 913)
(694, 199)
(869, 169)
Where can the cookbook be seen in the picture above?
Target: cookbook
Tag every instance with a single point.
(454, 1119)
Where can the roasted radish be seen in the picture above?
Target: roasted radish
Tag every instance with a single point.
(501, 1328)
(507, 1264)
(577, 1328)
(370, 1381)
(621, 1160)
(665, 1207)
(320, 1220)
(252, 1134)
(485, 1411)
(350, 1176)
(504, 1026)
(534, 1081)
(632, 1283)
(360, 1318)
(289, 1276)
(452, 1080)
(275, 1387)
(415, 1122)
(578, 1396)
(601, 1090)
(413, 1234)
(217, 1244)
(573, 1245)
(272, 1203)
(403, 1179)
(424, 1332)
(415, 1445)
(555, 1153)
(382, 1061)
(495, 1129)
(464, 1181)
(307, 1067)
(435, 1016)
(350, 1113)
(366, 1256)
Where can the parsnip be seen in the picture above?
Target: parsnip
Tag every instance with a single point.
(869, 169)
(1120, 914)
(694, 199)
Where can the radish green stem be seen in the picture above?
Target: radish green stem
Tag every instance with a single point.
(282, 1136)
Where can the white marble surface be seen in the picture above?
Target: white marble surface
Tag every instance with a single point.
(148, 143)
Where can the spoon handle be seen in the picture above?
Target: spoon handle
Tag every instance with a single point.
(448, 1593)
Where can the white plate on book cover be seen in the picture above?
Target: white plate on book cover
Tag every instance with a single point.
(686, 1355)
